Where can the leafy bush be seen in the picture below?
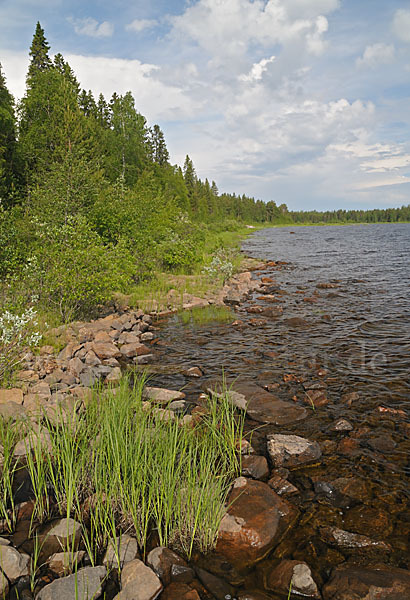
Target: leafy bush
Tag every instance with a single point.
(17, 331)
(74, 271)
(221, 266)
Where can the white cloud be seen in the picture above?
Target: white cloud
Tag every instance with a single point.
(376, 55)
(154, 98)
(257, 71)
(140, 24)
(15, 66)
(401, 24)
(92, 28)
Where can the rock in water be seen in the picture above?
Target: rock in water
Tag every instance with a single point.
(360, 583)
(255, 521)
(292, 451)
(295, 573)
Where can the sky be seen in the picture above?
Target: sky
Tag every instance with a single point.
(305, 102)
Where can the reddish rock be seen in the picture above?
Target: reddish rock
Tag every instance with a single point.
(292, 573)
(350, 397)
(368, 521)
(383, 582)
(161, 560)
(135, 349)
(106, 350)
(348, 446)
(11, 395)
(255, 522)
(255, 466)
(179, 591)
(316, 398)
(294, 322)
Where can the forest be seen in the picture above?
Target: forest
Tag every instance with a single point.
(90, 203)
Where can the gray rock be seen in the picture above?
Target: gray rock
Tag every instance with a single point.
(342, 425)
(4, 585)
(144, 360)
(123, 550)
(348, 540)
(84, 585)
(61, 563)
(161, 395)
(138, 582)
(13, 564)
(292, 450)
(60, 536)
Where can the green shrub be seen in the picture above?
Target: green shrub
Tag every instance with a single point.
(74, 272)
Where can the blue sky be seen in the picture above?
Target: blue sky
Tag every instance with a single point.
(305, 102)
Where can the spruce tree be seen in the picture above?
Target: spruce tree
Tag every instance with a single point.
(160, 152)
(40, 60)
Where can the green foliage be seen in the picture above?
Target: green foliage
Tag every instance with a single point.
(73, 270)
(17, 332)
(138, 468)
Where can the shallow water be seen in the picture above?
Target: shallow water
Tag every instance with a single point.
(357, 331)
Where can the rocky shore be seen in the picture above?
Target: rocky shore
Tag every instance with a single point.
(263, 512)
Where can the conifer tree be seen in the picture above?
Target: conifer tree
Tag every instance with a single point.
(40, 60)
(160, 152)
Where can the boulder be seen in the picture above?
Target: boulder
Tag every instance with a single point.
(346, 540)
(161, 395)
(291, 451)
(179, 591)
(123, 550)
(114, 376)
(255, 466)
(162, 560)
(4, 585)
(106, 350)
(62, 563)
(138, 582)
(13, 564)
(84, 585)
(292, 573)
(60, 536)
(134, 349)
(13, 395)
(384, 582)
(259, 404)
(255, 521)
(12, 411)
(215, 585)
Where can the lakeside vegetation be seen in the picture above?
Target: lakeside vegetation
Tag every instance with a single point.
(90, 206)
(117, 463)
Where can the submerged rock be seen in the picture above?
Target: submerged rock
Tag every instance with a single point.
(259, 404)
(292, 573)
(255, 466)
(292, 451)
(255, 521)
(383, 582)
(348, 540)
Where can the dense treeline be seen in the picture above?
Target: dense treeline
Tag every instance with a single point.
(89, 202)
(376, 215)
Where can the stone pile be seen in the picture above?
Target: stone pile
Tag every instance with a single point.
(94, 353)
